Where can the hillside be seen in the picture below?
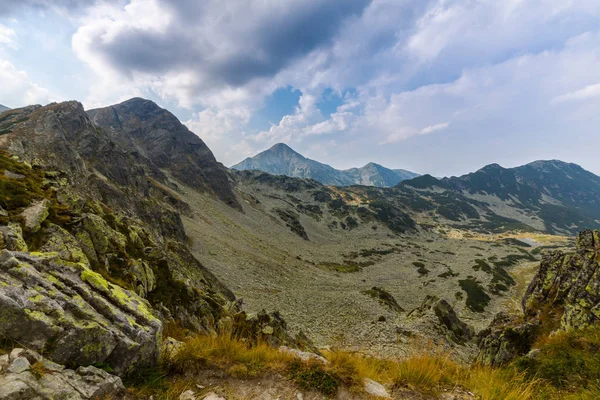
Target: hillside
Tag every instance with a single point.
(118, 228)
(552, 196)
(3, 108)
(282, 160)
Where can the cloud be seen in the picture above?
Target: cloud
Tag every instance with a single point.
(7, 37)
(203, 47)
(434, 128)
(18, 90)
(590, 91)
(484, 75)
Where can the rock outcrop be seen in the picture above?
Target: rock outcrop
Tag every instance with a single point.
(444, 318)
(564, 295)
(506, 338)
(74, 315)
(569, 283)
(25, 374)
(157, 134)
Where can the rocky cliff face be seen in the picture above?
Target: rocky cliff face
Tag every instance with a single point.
(159, 136)
(564, 295)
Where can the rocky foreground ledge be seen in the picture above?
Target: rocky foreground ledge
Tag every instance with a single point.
(564, 295)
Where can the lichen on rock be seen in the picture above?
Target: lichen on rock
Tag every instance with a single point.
(73, 314)
(564, 295)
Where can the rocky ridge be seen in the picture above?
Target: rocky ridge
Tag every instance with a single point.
(158, 135)
(280, 159)
(564, 295)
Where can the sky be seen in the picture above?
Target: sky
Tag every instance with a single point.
(433, 86)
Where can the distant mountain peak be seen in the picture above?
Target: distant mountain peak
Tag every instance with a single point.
(492, 167)
(281, 147)
(281, 159)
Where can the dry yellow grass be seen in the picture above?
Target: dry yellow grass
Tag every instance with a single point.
(227, 352)
(501, 384)
(426, 371)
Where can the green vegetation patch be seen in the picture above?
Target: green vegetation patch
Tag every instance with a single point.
(384, 298)
(567, 360)
(477, 298)
(347, 266)
(421, 268)
(292, 222)
(313, 376)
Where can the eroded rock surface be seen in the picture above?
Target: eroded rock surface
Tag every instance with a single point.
(73, 314)
(564, 294)
(25, 374)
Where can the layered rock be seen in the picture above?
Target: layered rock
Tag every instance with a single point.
(446, 320)
(74, 199)
(564, 295)
(506, 338)
(569, 283)
(73, 314)
(25, 374)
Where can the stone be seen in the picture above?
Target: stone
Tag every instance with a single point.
(504, 340)
(35, 214)
(170, 348)
(20, 364)
(12, 237)
(13, 175)
(375, 389)
(3, 362)
(53, 381)
(303, 355)
(213, 396)
(459, 332)
(58, 240)
(45, 300)
(188, 395)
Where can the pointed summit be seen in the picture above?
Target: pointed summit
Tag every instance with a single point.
(281, 159)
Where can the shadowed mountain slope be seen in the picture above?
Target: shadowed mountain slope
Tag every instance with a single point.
(157, 134)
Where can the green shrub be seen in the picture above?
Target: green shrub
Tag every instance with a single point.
(312, 375)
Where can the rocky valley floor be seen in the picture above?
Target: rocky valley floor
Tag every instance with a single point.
(324, 285)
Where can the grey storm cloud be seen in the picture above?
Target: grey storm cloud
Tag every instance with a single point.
(229, 43)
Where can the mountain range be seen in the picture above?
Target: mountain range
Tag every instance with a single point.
(549, 195)
(283, 160)
(3, 108)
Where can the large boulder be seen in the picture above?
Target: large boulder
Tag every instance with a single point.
(25, 374)
(11, 237)
(444, 318)
(35, 214)
(504, 340)
(73, 314)
(458, 331)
